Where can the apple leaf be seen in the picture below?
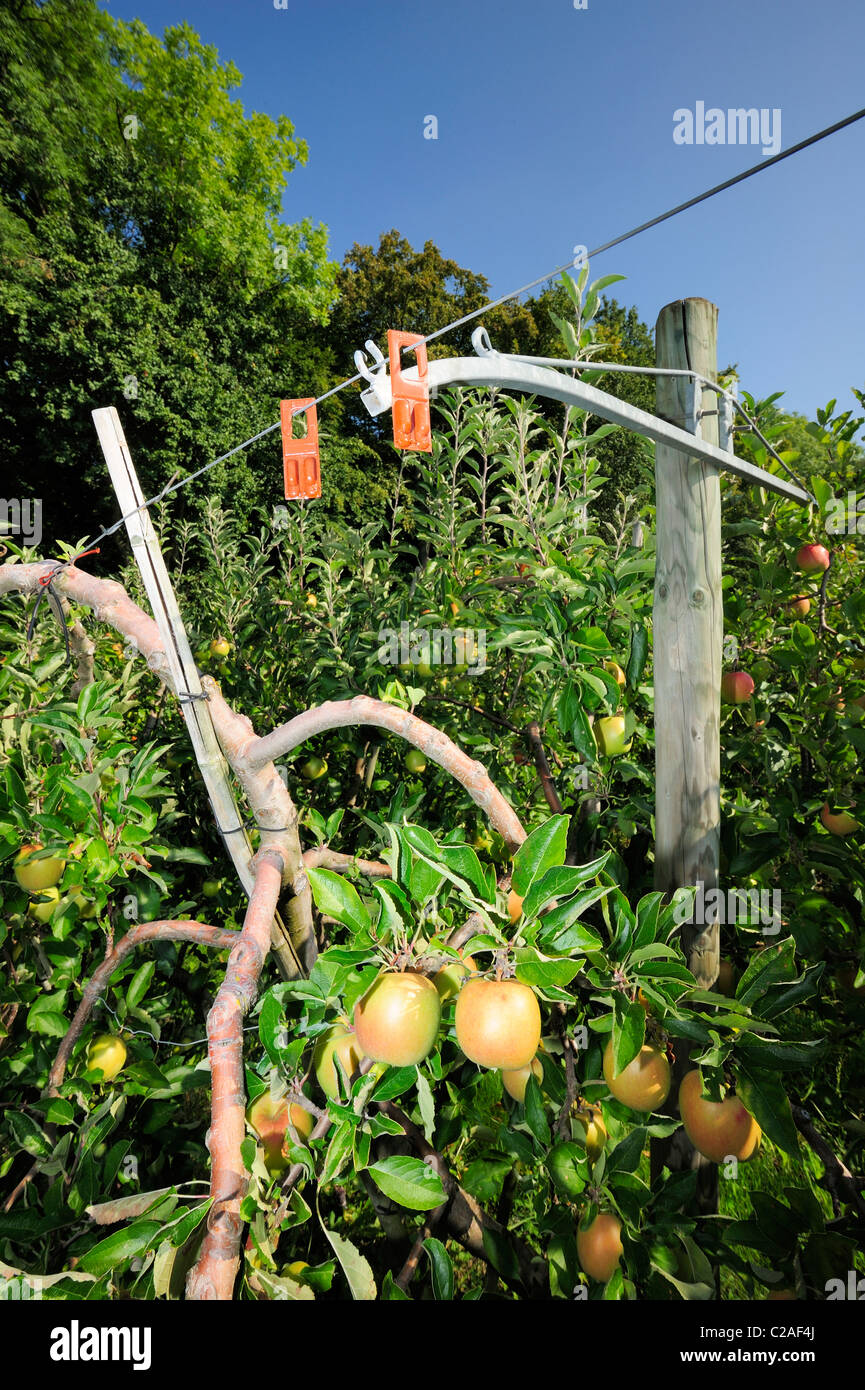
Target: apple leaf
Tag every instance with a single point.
(544, 849)
(764, 1096)
(356, 1269)
(441, 1270)
(337, 898)
(409, 1182)
(629, 1031)
(122, 1245)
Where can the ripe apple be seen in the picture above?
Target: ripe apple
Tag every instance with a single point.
(592, 1122)
(106, 1053)
(736, 687)
(800, 605)
(449, 980)
(42, 904)
(415, 761)
(272, 1121)
(220, 647)
(616, 672)
(717, 1129)
(645, 1082)
(36, 874)
(313, 769)
(498, 1023)
(398, 1018)
(811, 559)
(599, 1246)
(515, 906)
(337, 1044)
(837, 822)
(515, 1082)
(610, 736)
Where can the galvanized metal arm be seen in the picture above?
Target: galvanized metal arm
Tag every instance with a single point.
(491, 368)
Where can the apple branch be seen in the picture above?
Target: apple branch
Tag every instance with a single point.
(213, 1276)
(198, 932)
(467, 1221)
(363, 709)
(533, 734)
(324, 858)
(842, 1186)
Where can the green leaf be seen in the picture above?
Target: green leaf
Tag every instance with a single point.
(427, 1106)
(357, 1270)
(541, 972)
(560, 931)
(119, 1247)
(339, 899)
(625, 1157)
(441, 1270)
(535, 1116)
(560, 882)
(140, 983)
(763, 1094)
(544, 849)
(638, 655)
(629, 1031)
(409, 1182)
(27, 1134)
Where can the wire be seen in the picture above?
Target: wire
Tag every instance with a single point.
(496, 303)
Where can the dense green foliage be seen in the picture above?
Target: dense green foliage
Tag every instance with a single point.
(527, 536)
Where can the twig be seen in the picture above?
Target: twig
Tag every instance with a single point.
(533, 735)
(838, 1180)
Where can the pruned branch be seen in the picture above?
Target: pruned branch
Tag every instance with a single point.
(213, 1276)
(363, 709)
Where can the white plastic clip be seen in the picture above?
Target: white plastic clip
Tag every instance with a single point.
(378, 396)
(481, 343)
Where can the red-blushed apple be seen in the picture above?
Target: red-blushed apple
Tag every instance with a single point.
(717, 1129)
(837, 822)
(737, 687)
(811, 559)
(273, 1121)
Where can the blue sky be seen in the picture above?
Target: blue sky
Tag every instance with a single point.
(555, 127)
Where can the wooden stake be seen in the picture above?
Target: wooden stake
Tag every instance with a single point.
(688, 628)
(181, 666)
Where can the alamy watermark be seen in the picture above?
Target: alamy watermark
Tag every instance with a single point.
(430, 647)
(846, 515)
(733, 906)
(736, 126)
(21, 516)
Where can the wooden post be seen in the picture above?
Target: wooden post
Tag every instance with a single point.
(688, 628)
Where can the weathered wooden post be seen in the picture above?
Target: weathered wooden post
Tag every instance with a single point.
(688, 627)
(688, 649)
